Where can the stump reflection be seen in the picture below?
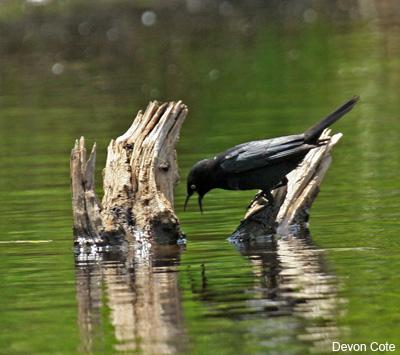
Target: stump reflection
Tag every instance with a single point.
(140, 289)
(291, 279)
(136, 293)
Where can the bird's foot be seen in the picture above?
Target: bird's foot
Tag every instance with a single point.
(262, 194)
(254, 199)
(323, 141)
(268, 196)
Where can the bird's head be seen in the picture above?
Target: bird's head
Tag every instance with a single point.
(199, 180)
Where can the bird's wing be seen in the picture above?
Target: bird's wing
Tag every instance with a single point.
(257, 154)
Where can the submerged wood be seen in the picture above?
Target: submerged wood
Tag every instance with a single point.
(290, 211)
(139, 179)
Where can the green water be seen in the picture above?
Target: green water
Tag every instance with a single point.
(246, 72)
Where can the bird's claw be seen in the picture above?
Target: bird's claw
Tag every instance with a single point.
(266, 195)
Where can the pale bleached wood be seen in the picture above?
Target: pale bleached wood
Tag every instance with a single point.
(304, 182)
(85, 205)
(138, 180)
(141, 172)
(290, 211)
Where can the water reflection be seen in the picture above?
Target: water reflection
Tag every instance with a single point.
(291, 279)
(138, 294)
(141, 291)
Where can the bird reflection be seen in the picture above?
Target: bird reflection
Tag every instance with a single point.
(137, 290)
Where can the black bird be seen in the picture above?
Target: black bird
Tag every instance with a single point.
(261, 164)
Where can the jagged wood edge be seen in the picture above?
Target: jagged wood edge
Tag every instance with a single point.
(290, 211)
(155, 133)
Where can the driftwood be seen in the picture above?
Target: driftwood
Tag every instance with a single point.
(139, 179)
(290, 211)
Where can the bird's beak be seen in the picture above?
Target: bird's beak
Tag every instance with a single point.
(186, 202)
(201, 203)
(200, 200)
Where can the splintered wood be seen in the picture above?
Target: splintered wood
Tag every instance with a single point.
(139, 179)
(141, 173)
(85, 205)
(290, 210)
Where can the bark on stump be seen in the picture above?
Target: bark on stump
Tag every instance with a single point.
(138, 180)
(290, 211)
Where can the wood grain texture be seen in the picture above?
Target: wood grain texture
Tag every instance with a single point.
(139, 178)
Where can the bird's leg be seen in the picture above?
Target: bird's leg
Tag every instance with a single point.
(266, 193)
(283, 182)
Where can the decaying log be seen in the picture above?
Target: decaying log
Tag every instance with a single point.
(289, 212)
(138, 180)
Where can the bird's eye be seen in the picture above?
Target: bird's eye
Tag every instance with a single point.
(193, 187)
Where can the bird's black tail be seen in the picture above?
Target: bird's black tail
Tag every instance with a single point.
(312, 134)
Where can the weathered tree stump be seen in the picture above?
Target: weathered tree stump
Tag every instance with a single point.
(139, 179)
(290, 211)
